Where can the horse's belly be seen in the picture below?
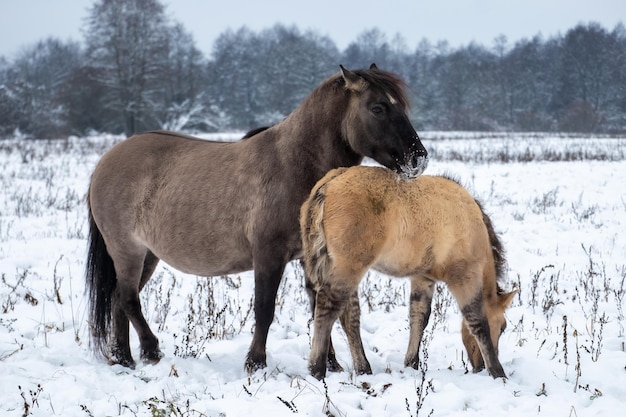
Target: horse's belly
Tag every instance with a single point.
(405, 257)
(207, 264)
(199, 254)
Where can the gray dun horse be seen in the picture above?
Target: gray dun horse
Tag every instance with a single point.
(211, 208)
(427, 228)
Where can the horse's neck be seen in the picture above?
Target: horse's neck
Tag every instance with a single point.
(316, 133)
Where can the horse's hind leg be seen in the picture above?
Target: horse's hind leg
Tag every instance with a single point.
(118, 350)
(332, 363)
(132, 274)
(419, 313)
(351, 323)
(150, 352)
(329, 304)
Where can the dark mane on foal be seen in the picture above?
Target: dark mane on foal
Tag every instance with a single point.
(497, 248)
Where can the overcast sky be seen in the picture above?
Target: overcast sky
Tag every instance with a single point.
(24, 22)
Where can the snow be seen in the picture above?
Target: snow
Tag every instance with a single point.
(562, 223)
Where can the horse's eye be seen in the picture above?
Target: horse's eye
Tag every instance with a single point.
(377, 109)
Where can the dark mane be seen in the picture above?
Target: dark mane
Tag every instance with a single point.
(376, 78)
(388, 82)
(255, 131)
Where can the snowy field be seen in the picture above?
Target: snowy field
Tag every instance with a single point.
(559, 203)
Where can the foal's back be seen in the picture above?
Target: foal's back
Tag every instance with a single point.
(403, 227)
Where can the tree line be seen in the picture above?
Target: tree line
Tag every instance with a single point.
(139, 70)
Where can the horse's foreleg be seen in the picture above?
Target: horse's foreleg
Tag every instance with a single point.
(329, 304)
(268, 272)
(478, 325)
(351, 322)
(419, 313)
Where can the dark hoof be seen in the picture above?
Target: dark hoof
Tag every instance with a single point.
(318, 369)
(127, 363)
(252, 365)
(118, 356)
(414, 363)
(152, 357)
(318, 374)
(333, 365)
(366, 370)
(497, 372)
(478, 368)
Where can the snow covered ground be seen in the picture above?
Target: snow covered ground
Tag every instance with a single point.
(558, 202)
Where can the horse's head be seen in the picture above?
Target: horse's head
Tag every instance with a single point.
(377, 125)
(497, 324)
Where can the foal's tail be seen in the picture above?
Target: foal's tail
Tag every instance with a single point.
(497, 249)
(317, 263)
(100, 284)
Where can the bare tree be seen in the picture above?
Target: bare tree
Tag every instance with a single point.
(182, 84)
(128, 46)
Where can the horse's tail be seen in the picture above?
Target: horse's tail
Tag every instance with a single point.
(497, 248)
(317, 262)
(100, 283)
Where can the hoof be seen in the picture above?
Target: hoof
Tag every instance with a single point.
(252, 365)
(119, 356)
(497, 372)
(478, 368)
(318, 372)
(152, 357)
(333, 365)
(414, 363)
(127, 363)
(364, 371)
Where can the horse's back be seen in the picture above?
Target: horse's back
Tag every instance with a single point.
(174, 195)
(138, 167)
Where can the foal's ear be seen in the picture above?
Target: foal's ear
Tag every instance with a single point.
(506, 299)
(353, 81)
(373, 66)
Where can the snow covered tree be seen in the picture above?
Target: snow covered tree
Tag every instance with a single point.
(127, 45)
(585, 76)
(182, 84)
(33, 85)
(259, 78)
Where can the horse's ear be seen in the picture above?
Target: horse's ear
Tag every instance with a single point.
(506, 299)
(373, 66)
(353, 81)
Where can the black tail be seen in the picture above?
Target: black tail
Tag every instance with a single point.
(100, 284)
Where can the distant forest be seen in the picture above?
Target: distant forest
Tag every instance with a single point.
(137, 70)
